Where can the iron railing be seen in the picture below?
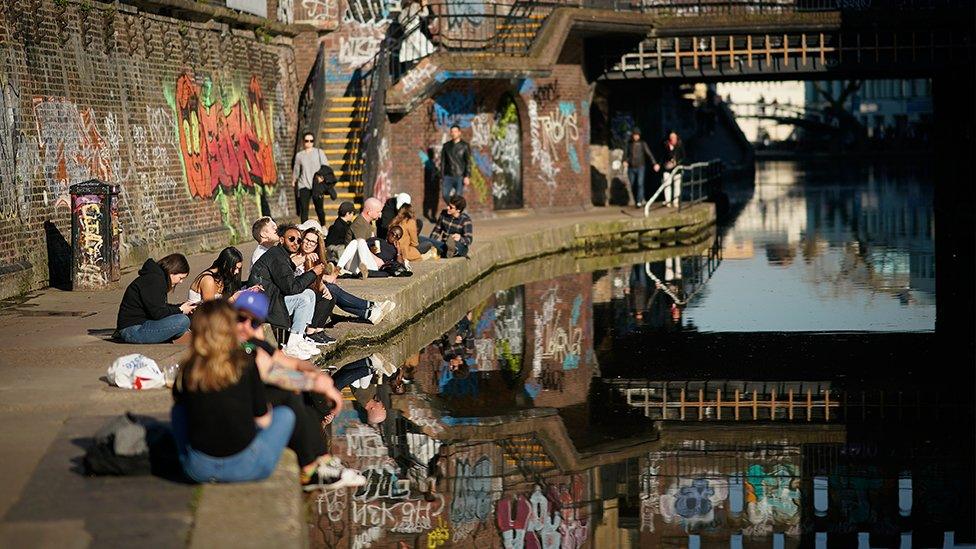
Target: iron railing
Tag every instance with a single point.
(311, 102)
(685, 185)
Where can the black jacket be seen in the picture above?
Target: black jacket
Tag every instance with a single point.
(389, 212)
(145, 298)
(340, 233)
(276, 273)
(638, 160)
(456, 159)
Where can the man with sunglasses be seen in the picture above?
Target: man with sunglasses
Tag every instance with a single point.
(308, 162)
(290, 295)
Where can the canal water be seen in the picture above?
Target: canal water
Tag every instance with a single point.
(764, 389)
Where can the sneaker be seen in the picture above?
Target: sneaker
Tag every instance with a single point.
(310, 346)
(379, 364)
(344, 478)
(321, 340)
(387, 307)
(363, 271)
(375, 313)
(295, 350)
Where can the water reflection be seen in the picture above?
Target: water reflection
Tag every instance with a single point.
(597, 409)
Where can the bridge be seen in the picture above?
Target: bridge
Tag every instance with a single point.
(800, 116)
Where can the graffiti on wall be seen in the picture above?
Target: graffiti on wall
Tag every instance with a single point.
(18, 155)
(464, 13)
(554, 519)
(620, 126)
(225, 136)
(71, 146)
(506, 156)
(560, 129)
(320, 10)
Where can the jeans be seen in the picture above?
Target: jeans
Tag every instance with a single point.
(460, 248)
(256, 462)
(348, 302)
(351, 372)
(156, 331)
(449, 182)
(304, 195)
(636, 176)
(355, 253)
(301, 309)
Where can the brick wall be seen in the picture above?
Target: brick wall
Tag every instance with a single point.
(100, 91)
(548, 155)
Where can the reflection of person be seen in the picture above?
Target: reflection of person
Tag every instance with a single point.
(456, 346)
(636, 157)
(455, 165)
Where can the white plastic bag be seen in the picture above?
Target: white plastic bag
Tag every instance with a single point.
(136, 371)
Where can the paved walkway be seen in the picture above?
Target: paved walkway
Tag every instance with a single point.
(54, 351)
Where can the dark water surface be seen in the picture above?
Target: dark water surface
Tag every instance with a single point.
(772, 388)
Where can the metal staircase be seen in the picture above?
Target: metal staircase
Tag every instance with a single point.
(340, 136)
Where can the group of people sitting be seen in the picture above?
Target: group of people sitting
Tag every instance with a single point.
(238, 399)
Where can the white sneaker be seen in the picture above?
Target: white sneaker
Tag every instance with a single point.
(310, 346)
(295, 349)
(388, 307)
(376, 313)
(381, 365)
(345, 478)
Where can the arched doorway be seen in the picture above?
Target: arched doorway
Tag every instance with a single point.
(506, 156)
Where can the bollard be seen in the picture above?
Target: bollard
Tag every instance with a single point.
(94, 235)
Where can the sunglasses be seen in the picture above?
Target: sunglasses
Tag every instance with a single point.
(309, 140)
(292, 239)
(255, 323)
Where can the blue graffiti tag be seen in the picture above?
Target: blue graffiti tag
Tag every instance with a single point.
(454, 107)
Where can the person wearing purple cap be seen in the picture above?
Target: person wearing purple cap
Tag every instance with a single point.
(287, 380)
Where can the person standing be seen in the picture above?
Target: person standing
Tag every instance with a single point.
(674, 155)
(455, 165)
(308, 161)
(637, 155)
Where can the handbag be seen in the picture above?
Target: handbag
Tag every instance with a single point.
(324, 182)
(397, 269)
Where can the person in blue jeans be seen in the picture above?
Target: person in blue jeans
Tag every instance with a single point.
(370, 311)
(455, 165)
(144, 314)
(225, 431)
(638, 156)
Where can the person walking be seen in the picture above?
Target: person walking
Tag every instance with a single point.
(308, 162)
(637, 155)
(455, 165)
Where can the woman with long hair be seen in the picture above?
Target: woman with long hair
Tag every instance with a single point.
(311, 252)
(223, 426)
(223, 278)
(144, 314)
(409, 243)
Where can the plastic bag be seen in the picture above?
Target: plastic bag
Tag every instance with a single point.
(136, 371)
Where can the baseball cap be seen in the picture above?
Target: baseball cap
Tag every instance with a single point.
(253, 302)
(346, 208)
(401, 199)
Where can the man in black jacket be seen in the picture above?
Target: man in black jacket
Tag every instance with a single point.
(637, 156)
(340, 233)
(289, 295)
(455, 165)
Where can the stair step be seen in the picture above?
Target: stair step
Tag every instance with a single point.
(349, 119)
(335, 206)
(348, 99)
(339, 140)
(340, 129)
(527, 24)
(518, 35)
(340, 173)
(345, 109)
(538, 15)
(340, 152)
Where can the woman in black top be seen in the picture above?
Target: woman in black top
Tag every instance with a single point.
(224, 429)
(144, 314)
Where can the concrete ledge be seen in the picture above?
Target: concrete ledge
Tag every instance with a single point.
(436, 282)
(253, 514)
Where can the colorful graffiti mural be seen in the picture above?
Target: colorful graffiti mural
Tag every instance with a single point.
(549, 520)
(226, 138)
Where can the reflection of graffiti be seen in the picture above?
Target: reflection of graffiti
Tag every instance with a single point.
(226, 146)
(772, 497)
(71, 145)
(692, 501)
(552, 380)
(464, 12)
(649, 498)
(544, 521)
(319, 10)
(553, 340)
(509, 327)
(90, 263)
(438, 536)
(362, 441)
(472, 491)
(382, 482)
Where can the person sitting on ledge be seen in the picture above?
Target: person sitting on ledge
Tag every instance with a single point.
(144, 315)
(340, 233)
(265, 233)
(357, 258)
(290, 295)
(222, 278)
(224, 429)
(453, 233)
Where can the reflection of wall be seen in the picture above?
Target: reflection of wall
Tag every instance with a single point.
(716, 493)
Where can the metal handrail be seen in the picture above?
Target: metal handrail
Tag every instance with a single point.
(698, 174)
